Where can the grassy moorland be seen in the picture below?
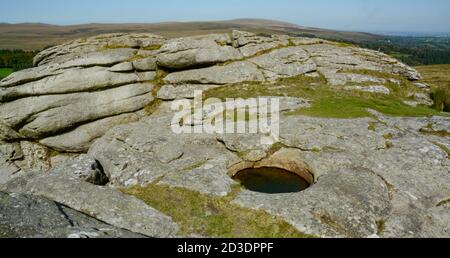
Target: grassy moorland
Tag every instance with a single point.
(438, 76)
(36, 36)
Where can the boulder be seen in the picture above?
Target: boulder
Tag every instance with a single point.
(82, 167)
(285, 62)
(147, 151)
(250, 44)
(122, 67)
(108, 57)
(372, 89)
(337, 79)
(8, 154)
(422, 86)
(145, 64)
(29, 75)
(195, 51)
(298, 41)
(419, 99)
(335, 57)
(66, 185)
(33, 157)
(72, 75)
(26, 216)
(75, 80)
(227, 74)
(36, 116)
(72, 49)
(79, 89)
(81, 138)
(172, 92)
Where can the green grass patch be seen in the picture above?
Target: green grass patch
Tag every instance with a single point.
(152, 47)
(328, 101)
(202, 215)
(5, 72)
(356, 106)
(331, 107)
(344, 44)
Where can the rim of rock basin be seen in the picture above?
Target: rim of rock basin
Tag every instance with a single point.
(273, 175)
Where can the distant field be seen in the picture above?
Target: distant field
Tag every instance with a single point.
(30, 36)
(436, 75)
(411, 50)
(4, 72)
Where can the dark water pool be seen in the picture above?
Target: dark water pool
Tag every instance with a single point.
(271, 180)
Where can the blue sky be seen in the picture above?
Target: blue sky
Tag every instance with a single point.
(360, 15)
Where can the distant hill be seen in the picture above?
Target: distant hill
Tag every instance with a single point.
(36, 36)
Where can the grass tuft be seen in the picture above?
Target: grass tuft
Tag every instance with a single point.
(5, 72)
(443, 148)
(152, 47)
(201, 215)
(381, 226)
(438, 76)
(441, 97)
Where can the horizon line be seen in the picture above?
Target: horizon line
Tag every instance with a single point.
(376, 32)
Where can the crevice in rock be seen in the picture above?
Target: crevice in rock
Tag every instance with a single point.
(389, 187)
(221, 141)
(443, 203)
(442, 147)
(66, 216)
(381, 226)
(61, 208)
(90, 66)
(29, 80)
(127, 145)
(191, 67)
(287, 145)
(101, 178)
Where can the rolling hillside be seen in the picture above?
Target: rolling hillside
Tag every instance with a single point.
(36, 36)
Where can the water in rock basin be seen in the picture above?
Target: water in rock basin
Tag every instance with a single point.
(271, 180)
